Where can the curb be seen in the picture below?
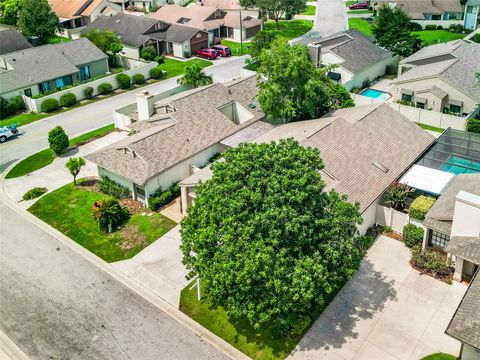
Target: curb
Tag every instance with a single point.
(129, 283)
(9, 350)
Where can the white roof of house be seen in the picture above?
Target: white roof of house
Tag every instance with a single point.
(423, 178)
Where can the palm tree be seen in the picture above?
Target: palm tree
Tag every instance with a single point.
(194, 76)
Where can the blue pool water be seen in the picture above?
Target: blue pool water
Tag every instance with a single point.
(458, 165)
(376, 94)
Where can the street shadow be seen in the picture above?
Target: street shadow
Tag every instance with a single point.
(70, 152)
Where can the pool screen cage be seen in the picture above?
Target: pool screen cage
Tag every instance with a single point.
(454, 151)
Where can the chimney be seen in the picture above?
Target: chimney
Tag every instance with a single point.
(145, 106)
(315, 51)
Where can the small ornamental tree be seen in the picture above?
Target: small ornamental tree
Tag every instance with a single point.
(195, 77)
(107, 41)
(74, 165)
(109, 212)
(396, 196)
(420, 207)
(58, 140)
(265, 238)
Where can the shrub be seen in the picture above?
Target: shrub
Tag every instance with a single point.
(123, 81)
(476, 38)
(34, 193)
(391, 70)
(58, 140)
(4, 108)
(412, 235)
(420, 206)
(430, 27)
(159, 59)
(110, 187)
(457, 28)
(16, 104)
(415, 26)
(156, 73)
(157, 202)
(104, 88)
(109, 212)
(473, 125)
(88, 92)
(49, 105)
(396, 196)
(68, 99)
(138, 79)
(149, 53)
(439, 27)
(430, 261)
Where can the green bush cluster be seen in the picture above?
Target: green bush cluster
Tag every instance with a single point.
(412, 235)
(110, 212)
(149, 53)
(45, 93)
(49, 105)
(430, 261)
(138, 79)
(104, 88)
(124, 81)
(88, 92)
(11, 106)
(473, 125)
(68, 99)
(34, 193)
(161, 198)
(476, 38)
(415, 26)
(420, 206)
(156, 73)
(433, 27)
(58, 140)
(110, 187)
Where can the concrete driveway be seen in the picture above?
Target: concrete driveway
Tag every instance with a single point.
(388, 311)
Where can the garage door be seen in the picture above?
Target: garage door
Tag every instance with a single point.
(198, 44)
(252, 31)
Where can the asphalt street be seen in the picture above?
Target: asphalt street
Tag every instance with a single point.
(55, 304)
(92, 116)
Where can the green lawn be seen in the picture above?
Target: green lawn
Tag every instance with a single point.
(55, 39)
(364, 11)
(176, 67)
(440, 356)
(431, 128)
(235, 47)
(361, 25)
(46, 157)
(289, 29)
(24, 119)
(430, 37)
(68, 210)
(310, 10)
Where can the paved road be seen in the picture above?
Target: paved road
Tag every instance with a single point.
(54, 304)
(78, 121)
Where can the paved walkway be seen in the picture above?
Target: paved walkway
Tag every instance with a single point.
(388, 311)
(159, 267)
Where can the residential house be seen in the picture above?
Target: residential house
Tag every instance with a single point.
(78, 13)
(429, 12)
(231, 5)
(218, 23)
(472, 14)
(44, 68)
(176, 134)
(441, 78)
(138, 32)
(12, 40)
(382, 144)
(359, 60)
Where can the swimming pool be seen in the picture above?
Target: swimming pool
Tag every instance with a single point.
(376, 94)
(458, 165)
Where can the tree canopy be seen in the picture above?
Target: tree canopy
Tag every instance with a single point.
(10, 10)
(74, 165)
(277, 9)
(105, 40)
(36, 19)
(291, 87)
(392, 31)
(262, 40)
(194, 76)
(265, 238)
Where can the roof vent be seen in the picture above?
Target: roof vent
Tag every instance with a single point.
(380, 166)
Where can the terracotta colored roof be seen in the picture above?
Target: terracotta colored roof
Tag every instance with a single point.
(72, 9)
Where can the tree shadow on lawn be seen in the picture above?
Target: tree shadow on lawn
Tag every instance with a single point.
(351, 312)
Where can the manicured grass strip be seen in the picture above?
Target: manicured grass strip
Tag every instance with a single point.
(440, 356)
(24, 119)
(46, 157)
(235, 47)
(289, 29)
(68, 210)
(176, 67)
(55, 39)
(310, 10)
(430, 37)
(364, 11)
(431, 128)
(361, 25)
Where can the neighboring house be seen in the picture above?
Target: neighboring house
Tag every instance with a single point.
(430, 12)
(472, 14)
(44, 68)
(441, 78)
(78, 13)
(218, 23)
(137, 32)
(381, 145)
(230, 5)
(176, 134)
(359, 60)
(12, 40)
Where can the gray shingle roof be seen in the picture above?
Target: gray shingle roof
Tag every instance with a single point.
(47, 62)
(465, 324)
(179, 34)
(12, 40)
(465, 247)
(198, 125)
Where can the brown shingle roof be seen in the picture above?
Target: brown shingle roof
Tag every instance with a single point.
(465, 247)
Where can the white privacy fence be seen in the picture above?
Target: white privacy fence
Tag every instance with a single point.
(388, 216)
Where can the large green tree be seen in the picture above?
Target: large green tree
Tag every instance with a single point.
(392, 31)
(9, 10)
(291, 87)
(262, 41)
(276, 9)
(105, 40)
(36, 19)
(265, 238)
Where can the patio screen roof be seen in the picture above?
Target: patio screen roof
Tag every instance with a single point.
(429, 180)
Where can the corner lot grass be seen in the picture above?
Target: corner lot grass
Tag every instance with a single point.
(235, 47)
(361, 25)
(440, 356)
(176, 67)
(289, 29)
(310, 10)
(24, 119)
(46, 157)
(68, 210)
(430, 37)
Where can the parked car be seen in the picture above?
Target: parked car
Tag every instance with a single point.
(359, 5)
(209, 53)
(7, 132)
(222, 50)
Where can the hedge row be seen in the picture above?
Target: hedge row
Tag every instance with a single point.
(11, 106)
(161, 198)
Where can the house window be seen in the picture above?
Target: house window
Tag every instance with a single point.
(60, 83)
(438, 239)
(470, 10)
(140, 192)
(436, 17)
(28, 92)
(85, 72)
(420, 105)
(44, 87)
(455, 108)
